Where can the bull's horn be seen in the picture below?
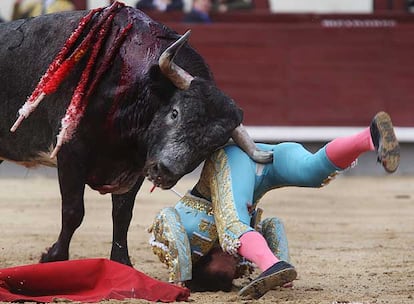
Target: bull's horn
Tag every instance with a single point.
(246, 143)
(178, 76)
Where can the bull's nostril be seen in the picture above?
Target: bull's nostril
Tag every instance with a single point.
(161, 175)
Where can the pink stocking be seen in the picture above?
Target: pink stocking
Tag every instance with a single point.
(343, 151)
(254, 248)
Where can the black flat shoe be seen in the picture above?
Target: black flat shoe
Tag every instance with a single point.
(277, 275)
(385, 142)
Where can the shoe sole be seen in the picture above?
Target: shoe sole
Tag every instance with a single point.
(257, 288)
(389, 149)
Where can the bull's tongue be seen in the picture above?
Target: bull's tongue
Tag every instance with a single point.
(153, 188)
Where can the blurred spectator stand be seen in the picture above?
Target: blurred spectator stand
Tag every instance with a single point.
(160, 5)
(391, 5)
(32, 8)
(200, 12)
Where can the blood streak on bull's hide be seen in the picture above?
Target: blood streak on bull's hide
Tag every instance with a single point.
(38, 93)
(64, 63)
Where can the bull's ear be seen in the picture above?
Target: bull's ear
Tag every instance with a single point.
(178, 76)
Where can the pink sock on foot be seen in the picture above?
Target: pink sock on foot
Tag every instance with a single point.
(343, 151)
(254, 248)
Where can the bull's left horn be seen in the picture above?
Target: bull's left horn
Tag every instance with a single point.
(178, 76)
(246, 143)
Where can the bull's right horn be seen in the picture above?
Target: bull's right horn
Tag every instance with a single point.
(246, 143)
(178, 76)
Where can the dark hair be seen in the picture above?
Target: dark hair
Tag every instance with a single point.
(206, 278)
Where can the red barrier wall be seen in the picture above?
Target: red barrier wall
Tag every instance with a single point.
(312, 69)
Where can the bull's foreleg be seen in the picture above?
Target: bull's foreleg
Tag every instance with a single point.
(72, 187)
(122, 206)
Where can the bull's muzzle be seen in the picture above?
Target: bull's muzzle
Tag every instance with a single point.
(160, 175)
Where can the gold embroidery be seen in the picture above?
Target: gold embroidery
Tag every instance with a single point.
(203, 243)
(269, 231)
(208, 227)
(274, 233)
(197, 203)
(329, 178)
(229, 227)
(170, 244)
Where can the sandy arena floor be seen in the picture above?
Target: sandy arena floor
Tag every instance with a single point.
(351, 242)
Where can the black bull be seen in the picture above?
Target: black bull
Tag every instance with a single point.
(141, 119)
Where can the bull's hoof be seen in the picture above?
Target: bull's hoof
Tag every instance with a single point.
(52, 255)
(44, 258)
(125, 261)
(119, 253)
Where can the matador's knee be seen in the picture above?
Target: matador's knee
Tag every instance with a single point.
(274, 233)
(170, 243)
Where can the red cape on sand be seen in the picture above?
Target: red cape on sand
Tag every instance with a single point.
(88, 280)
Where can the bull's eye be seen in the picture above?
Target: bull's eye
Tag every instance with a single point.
(174, 114)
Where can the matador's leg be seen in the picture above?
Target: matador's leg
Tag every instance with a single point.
(274, 233)
(170, 243)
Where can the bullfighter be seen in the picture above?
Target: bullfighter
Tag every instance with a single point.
(209, 234)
